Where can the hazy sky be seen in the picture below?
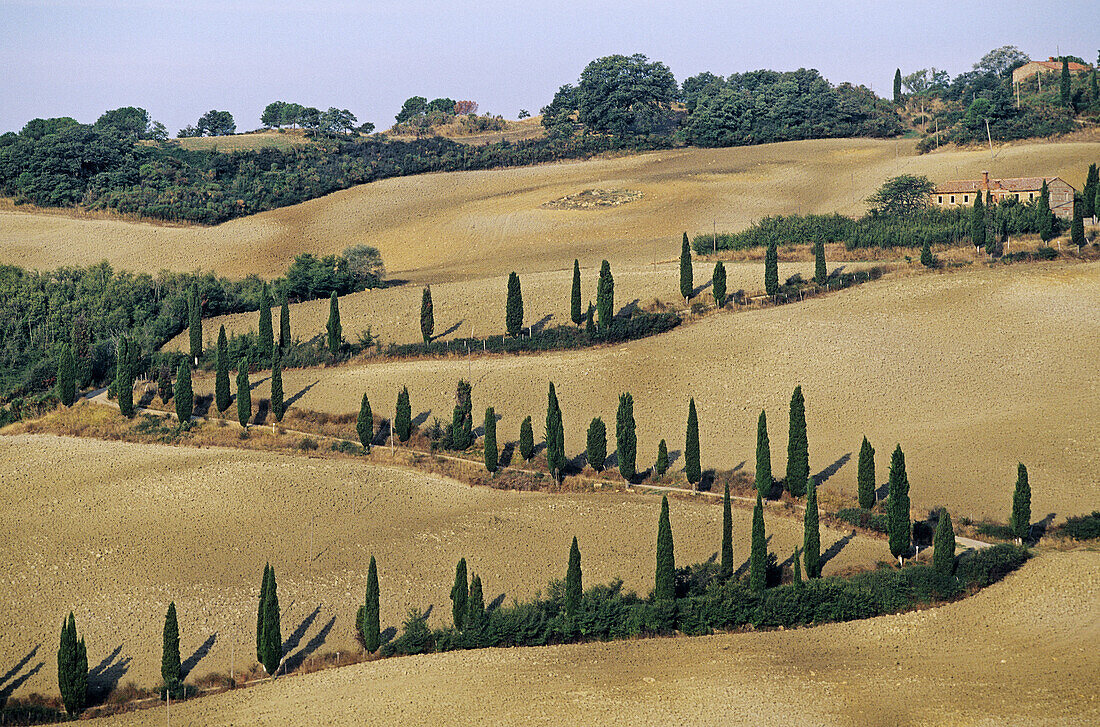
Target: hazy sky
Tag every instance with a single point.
(179, 59)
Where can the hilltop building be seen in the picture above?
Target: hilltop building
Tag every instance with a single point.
(1043, 68)
(961, 192)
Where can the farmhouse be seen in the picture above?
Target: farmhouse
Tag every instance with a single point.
(1030, 68)
(961, 192)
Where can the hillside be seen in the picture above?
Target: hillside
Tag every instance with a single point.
(460, 225)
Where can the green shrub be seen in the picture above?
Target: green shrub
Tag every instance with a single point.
(980, 568)
(1082, 527)
(862, 518)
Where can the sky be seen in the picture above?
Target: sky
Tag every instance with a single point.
(182, 58)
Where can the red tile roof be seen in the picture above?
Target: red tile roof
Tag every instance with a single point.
(1017, 184)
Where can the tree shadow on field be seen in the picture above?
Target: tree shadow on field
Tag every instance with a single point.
(203, 404)
(200, 653)
(420, 418)
(449, 331)
(706, 481)
(674, 456)
(539, 325)
(296, 636)
(103, 679)
(506, 454)
(263, 407)
(301, 393)
(480, 431)
(494, 604)
(628, 310)
(825, 474)
(387, 635)
(10, 682)
(253, 384)
(696, 291)
(146, 399)
(834, 549)
(882, 492)
(744, 567)
(293, 662)
(385, 431)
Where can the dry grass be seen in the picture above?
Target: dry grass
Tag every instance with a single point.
(252, 141)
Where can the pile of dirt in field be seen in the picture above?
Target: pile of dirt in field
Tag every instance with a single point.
(591, 199)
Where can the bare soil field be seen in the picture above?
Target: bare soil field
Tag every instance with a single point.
(438, 227)
(117, 530)
(971, 371)
(1022, 652)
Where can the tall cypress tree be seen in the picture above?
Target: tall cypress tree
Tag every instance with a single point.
(758, 553)
(771, 269)
(124, 378)
(574, 589)
(261, 613)
(460, 592)
(726, 568)
(865, 475)
(402, 420)
(1043, 217)
(526, 440)
(811, 535)
(66, 377)
(897, 87)
(1077, 228)
(796, 577)
(513, 312)
(1092, 184)
(427, 315)
(626, 438)
(1064, 95)
(170, 667)
(597, 444)
(284, 324)
(335, 330)
(661, 465)
(590, 321)
(798, 451)
(265, 341)
(977, 222)
(164, 383)
(691, 447)
(555, 435)
(364, 425)
(687, 282)
(763, 457)
(821, 271)
(943, 557)
(490, 442)
(462, 436)
(244, 393)
(718, 282)
(222, 397)
(185, 398)
(665, 584)
(475, 611)
(1020, 522)
(370, 624)
(194, 324)
(278, 406)
(272, 632)
(72, 668)
(605, 296)
(575, 313)
(898, 526)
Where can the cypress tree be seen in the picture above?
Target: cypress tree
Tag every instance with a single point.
(897, 87)
(459, 594)
(798, 453)
(244, 393)
(284, 324)
(66, 377)
(605, 296)
(821, 271)
(977, 222)
(364, 425)
(771, 270)
(124, 378)
(526, 440)
(72, 668)
(574, 591)
(943, 557)
(897, 525)
(427, 315)
(691, 447)
(1020, 522)
(590, 321)
(335, 330)
(626, 439)
(402, 420)
(1077, 229)
(265, 341)
(796, 577)
(726, 569)
(272, 641)
(687, 282)
(597, 444)
(170, 668)
(763, 457)
(194, 324)
(278, 406)
(490, 442)
(1043, 217)
(665, 586)
(222, 397)
(661, 465)
(462, 418)
(811, 535)
(575, 313)
(865, 475)
(475, 614)
(513, 312)
(164, 383)
(1064, 95)
(555, 435)
(370, 625)
(1092, 184)
(718, 281)
(185, 398)
(261, 612)
(926, 258)
(758, 553)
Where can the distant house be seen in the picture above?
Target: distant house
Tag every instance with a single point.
(1030, 68)
(961, 192)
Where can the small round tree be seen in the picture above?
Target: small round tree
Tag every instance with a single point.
(526, 440)
(943, 542)
(364, 424)
(661, 465)
(597, 444)
(718, 281)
